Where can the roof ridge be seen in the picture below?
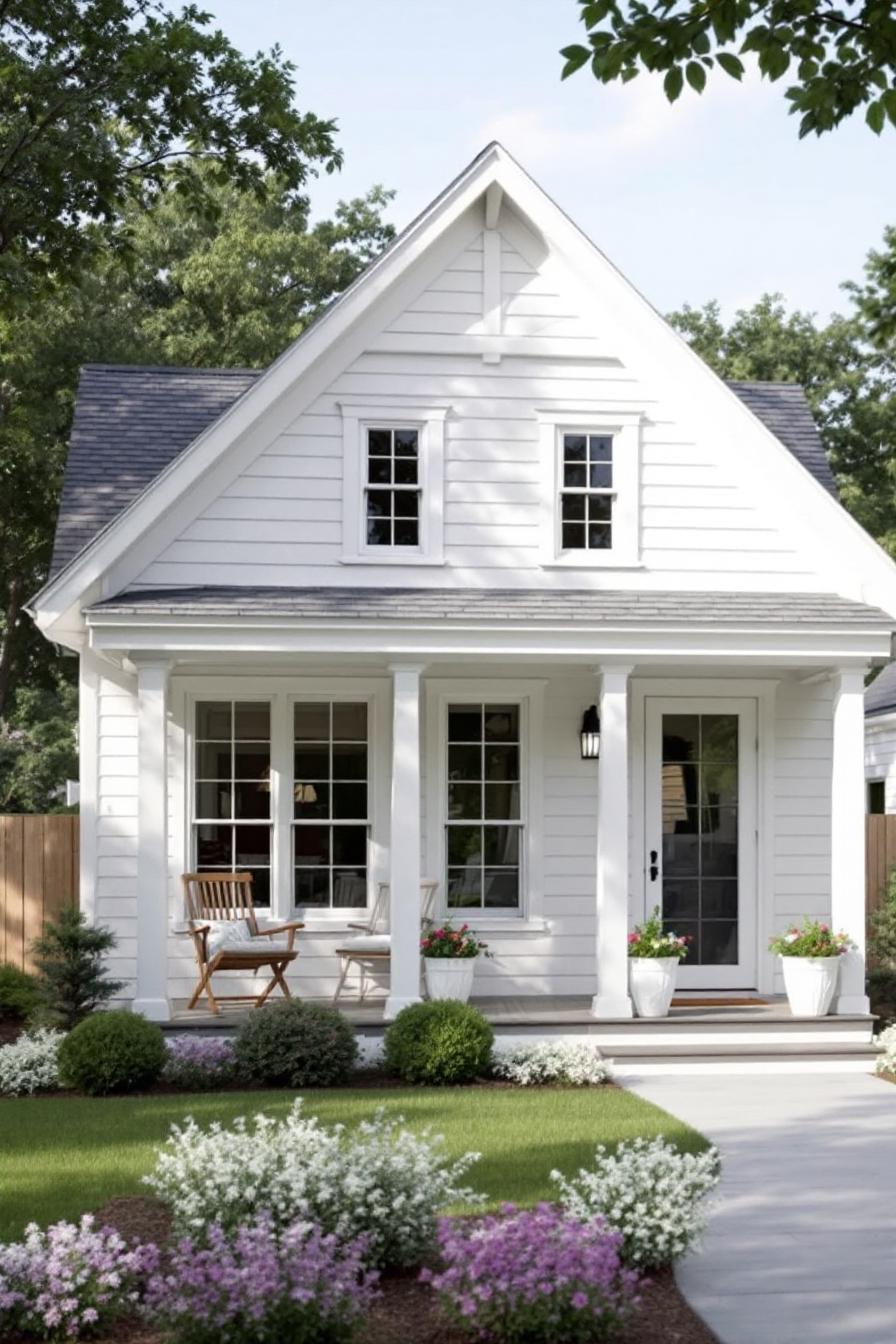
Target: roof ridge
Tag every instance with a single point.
(168, 368)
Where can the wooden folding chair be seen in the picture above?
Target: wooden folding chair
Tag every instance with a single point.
(212, 898)
(372, 950)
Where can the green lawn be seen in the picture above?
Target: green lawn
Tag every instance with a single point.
(61, 1157)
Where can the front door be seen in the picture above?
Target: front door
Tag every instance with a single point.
(700, 840)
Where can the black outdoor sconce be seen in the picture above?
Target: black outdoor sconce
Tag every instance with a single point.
(590, 735)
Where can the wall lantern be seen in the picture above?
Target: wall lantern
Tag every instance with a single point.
(590, 735)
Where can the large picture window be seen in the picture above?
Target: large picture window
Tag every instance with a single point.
(331, 804)
(232, 803)
(484, 825)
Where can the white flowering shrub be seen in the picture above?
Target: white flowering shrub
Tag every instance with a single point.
(649, 1192)
(380, 1180)
(886, 1043)
(30, 1064)
(531, 1064)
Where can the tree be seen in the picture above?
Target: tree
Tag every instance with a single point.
(850, 387)
(106, 100)
(843, 56)
(38, 748)
(72, 978)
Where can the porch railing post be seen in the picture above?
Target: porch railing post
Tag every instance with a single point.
(848, 834)
(404, 848)
(612, 997)
(152, 840)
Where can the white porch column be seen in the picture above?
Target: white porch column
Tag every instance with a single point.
(152, 840)
(612, 997)
(404, 847)
(848, 835)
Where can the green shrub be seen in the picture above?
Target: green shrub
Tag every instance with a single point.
(441, 1042)
(112, 1052)
(19, 995)
(882, 930)
(71, 976)
(295, 1044)
(881, 987)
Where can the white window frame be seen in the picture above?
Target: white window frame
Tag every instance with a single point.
(428, 419)
(529, 695)
(624, 427)
(281, 692)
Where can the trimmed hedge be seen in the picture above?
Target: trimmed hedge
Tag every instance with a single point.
(19, 993)
(439, 1043)
(112, 1052)
(295, 1044)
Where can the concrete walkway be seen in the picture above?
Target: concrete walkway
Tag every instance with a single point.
(801, 1246)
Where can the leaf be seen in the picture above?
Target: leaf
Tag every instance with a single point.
(696, 76)
(673, 83)
(576, 57)
(876, 117)
(732, 65)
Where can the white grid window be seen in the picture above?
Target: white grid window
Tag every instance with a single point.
(232, 799)
(331, 791)
(484, 826)
(587, 492)
(392, 490)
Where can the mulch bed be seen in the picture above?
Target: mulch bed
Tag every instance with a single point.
(408, 1312)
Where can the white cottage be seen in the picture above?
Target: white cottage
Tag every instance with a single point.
(339, 623)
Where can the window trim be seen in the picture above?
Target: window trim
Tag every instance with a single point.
(529, 695)
(624, 426)
(428, 419)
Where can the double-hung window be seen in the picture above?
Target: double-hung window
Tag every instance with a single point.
(590, 488)
(484, 825)
(331, 790)
(392, 492)
(586, 492)
(232, 806)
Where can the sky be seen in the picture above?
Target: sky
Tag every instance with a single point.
(714, 197)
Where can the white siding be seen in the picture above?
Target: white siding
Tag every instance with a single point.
(116, 824)
(880, 757)
(279, 522)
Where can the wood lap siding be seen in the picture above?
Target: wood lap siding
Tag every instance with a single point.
(880, 857)
(39, 862)
(116, 824)
(279, 522)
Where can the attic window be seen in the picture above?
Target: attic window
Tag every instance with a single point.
(586, 492)
(392, 493)
(590, 488)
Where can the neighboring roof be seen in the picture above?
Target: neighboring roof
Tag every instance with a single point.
(132, 421)
(783, 408)
(880, 697)
(509, 604)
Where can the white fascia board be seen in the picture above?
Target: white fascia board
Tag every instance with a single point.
(179, 477)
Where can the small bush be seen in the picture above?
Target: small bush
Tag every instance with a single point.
(199, 1063)
(112, 1052)
(30, 1064)
(881, 985)
(440, 1043)
(652, 1194)
(886, 1060)
(19, 993)
(70, 1281)
(72, 979)
(882, 930)
(295, 1044)
(379, 1180)
(261, 1286)
(538, 1275)
(573, 1064)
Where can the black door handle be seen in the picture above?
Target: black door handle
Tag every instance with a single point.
(654, 870)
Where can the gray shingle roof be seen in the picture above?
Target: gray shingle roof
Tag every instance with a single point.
(880, 697)
(597, 608)
(132, 421)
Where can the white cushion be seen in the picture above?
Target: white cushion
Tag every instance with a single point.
(368, 942)
(229, 933)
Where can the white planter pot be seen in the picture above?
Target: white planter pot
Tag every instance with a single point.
(652, 981)
(810, 983)
(449, 977)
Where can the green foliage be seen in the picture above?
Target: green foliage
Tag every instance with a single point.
(881, 944)
(71, 976)
(38, 749)
(295, 1044)
(810, 939)
(881, 988)
(850, 386)
(440, 1043)
(19, 994)
(837, 57)
(112, 1052)
(105, 99)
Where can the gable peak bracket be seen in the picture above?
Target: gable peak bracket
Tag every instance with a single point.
(493, 197)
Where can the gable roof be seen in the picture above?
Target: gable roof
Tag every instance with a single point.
(880, 697)
(132, 421)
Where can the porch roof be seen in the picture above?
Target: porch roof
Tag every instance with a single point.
(600, 609)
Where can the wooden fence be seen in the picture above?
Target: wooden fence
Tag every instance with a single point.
(39, 861)
(880, 856)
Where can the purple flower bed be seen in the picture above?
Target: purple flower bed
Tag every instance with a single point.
(261, 1286)
(536, 1275)
(199, 1063)
(71, 1281)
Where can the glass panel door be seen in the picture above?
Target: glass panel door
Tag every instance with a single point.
(700, 838)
